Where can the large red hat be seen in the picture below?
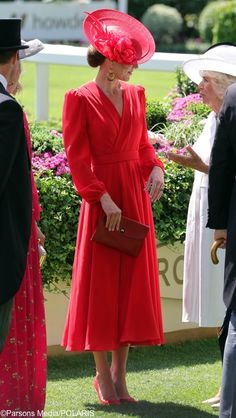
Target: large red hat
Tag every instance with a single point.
(119, 37)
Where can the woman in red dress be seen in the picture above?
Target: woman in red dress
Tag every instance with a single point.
(115, 298)
(23, 360)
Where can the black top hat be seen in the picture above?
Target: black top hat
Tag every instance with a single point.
(10, 38)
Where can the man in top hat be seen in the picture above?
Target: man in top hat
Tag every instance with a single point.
(15, 184)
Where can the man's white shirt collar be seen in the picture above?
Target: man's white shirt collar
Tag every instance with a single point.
(3, 80)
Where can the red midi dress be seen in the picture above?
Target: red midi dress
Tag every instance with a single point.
(23, 361)
(115, 298)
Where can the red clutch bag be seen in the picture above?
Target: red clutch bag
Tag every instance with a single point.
(129, 239)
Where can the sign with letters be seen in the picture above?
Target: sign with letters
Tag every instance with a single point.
(52, 21)
(170, 262)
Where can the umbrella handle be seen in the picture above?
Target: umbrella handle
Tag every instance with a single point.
(216, 244)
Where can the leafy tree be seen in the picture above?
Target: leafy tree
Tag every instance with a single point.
(185, 7)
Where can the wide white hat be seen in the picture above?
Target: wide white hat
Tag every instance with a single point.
(220, 58)
(34, 46)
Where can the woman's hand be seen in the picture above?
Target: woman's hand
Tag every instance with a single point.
(221, 234)
(155, 184)
(112, 212)
(155, 138)
(40, 236)
(191, 160)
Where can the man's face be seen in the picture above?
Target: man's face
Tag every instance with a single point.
(14, 75)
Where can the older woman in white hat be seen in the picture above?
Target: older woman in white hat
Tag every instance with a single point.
(214, 71)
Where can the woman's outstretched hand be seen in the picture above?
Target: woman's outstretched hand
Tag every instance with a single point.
(191, 160)
(112, 212)
(155, 184)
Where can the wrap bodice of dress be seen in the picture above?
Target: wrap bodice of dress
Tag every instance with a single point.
(101, 136)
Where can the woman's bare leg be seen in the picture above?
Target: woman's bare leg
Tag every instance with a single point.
(118, 371)
(103, 376)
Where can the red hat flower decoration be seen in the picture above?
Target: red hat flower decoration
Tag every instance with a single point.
(124, 52)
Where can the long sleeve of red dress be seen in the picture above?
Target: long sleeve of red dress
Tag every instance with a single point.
(78, 148)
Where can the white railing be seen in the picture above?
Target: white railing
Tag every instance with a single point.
(71, 55)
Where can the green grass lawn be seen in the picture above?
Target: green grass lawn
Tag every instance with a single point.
(63, 78)
(169, 381)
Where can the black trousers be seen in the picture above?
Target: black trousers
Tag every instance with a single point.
(223, 332)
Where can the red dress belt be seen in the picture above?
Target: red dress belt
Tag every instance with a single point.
(115, 157)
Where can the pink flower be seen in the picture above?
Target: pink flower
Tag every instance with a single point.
(56, 133)
(180, 107)
(163, 152)
(46, 161)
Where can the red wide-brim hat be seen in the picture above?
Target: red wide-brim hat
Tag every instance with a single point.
(118, 36)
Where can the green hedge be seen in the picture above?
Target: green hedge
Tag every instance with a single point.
(156, 113)
(59, 219)
(208, 19)
(164, 22)
(61, 204)
(185, 7)
(170, 212)
(224, 29)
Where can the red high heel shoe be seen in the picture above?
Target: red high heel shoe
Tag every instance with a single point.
(128, 399)
(101, 400)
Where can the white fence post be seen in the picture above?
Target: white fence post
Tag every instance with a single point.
(41, 92)
(123, 6)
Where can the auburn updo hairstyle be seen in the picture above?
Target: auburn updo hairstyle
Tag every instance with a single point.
(94, 58)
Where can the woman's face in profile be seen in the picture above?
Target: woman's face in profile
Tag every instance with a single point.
(207, 91)
(122, 71)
